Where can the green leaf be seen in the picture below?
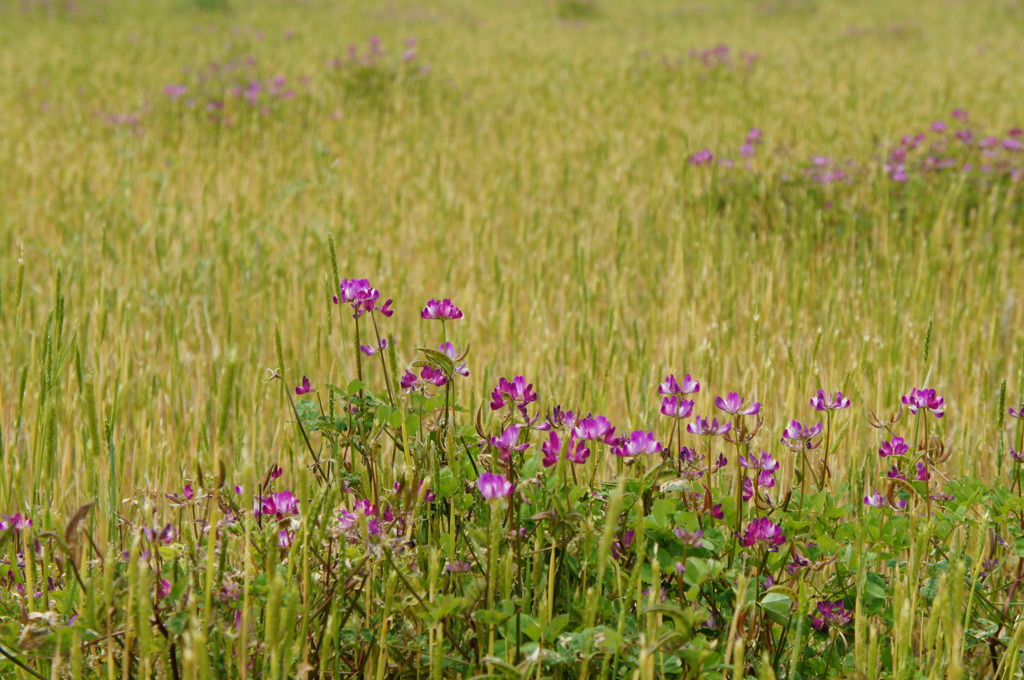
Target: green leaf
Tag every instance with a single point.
(355, 386)
(778, 606)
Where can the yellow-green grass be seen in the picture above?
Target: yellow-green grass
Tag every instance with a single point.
(537, 175)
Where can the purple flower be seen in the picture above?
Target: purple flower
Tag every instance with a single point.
(458, 567)
(578, 452)
(619, 546)
(450, 352)
(895, 473)
(494, 486)
(831, 613)
(702, 157)
(925, 398)
(675, 406)
(938, 126)
(762, 462)
(305, 387)
(509, 441)
(671, 386)
(551, 448)
(960, 114)
(441, 309)
(562, 420)
(691, 539)
(734, 404)
(747, 150)
(17, 522)
(279, 504)
(821, 401)
(798, 436)
(1017, 412)
(175, 91)
(702, 427)
(516, 392)
(370, 350)
(637, 443)
(1013, 145)
(1017, 455)
(754, 136)
(362, 296)
(187, 492)
(897, 447)
(763, 530)
(163, 588)
(594, 429)
(875, 500)
(922, 472)
(748, 489)
(716, 511)
(284, 538)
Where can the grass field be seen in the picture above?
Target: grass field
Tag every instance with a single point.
(179, 179)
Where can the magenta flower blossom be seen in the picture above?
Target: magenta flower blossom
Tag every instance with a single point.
(516, 393)
(748, 489)
(675, 406)
(561, 420)
(362, 296)
(595, 429)
(637, 443)
(1017, 455)
(716, 512)
(577, 451)
(691, 539)
(441, 309)
(671, 386)
(701, 426)
(895, 473)
(551, 448)
(508, 441)
(821, 402)
(453, 354)
(702, 157)
(734, 404)
(175, 91)
(428, 376)
(16, 522)
(1017, 412)
(370, 350)
(831, 613)
(763, 530)
(187, 492)
(798, 436)
(457, 567)
(897, 447)
(620, 546)
(304, 388)
(284, 538)
(922, 472)
(877, 500)
(938, 126)
(279, 504)
(762, 462)
(494, 486)
(925, 398)
(754, 136)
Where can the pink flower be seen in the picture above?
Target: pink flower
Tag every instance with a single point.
(763, 530)
(831, 613)
(821, 402)
(305, 387)
(922, 472)
(925, 398)
(897, 447)
(798, 436)
(441, 309)
(734, 404)
(702, 157)
(637, 443)
(279, 504)
(493, 486)
(671, 386)
(516, 393)
(675, 406)
(508, 441)
(370, 350)
(595, 429)
(702, 427)
(450, 352)
(362, 296)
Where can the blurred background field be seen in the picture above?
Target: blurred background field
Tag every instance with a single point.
(529, 160)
